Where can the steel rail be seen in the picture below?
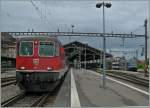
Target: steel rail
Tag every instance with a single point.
(137, 78)
(133, 80)
(125, 77)
(12, 100)
(129, 75)
(37, 103)
(5, 79)
(40, 101)
(8, 83)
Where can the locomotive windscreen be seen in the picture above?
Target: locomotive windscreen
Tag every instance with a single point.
(26, 48)
(46, 49)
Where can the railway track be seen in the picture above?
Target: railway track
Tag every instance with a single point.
(8, 81)
(33, 99)
(11, 100)
(130, 78)
(26, 100)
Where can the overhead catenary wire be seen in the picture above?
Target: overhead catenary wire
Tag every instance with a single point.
(41, 14)
(139, 28)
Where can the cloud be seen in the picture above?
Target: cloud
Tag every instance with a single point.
(122, 17)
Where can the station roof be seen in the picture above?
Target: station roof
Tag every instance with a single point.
(75, 49)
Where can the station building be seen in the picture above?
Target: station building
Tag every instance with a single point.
(8, 50)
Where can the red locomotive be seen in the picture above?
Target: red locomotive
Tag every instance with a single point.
(40, 63)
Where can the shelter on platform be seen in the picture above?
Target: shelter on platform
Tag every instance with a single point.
(80, 53)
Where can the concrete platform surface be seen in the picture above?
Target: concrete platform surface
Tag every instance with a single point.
(63, 96)
(92, 94)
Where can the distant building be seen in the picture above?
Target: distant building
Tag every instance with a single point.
(8, 44)
(8, 50)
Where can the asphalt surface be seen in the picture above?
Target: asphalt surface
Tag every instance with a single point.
(92, 94)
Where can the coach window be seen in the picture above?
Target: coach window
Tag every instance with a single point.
(46, 49)
(26, 48)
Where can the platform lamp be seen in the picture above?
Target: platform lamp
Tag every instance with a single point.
(85, 55)
(108, 5)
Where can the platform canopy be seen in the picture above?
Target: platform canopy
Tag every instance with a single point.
(77, 51)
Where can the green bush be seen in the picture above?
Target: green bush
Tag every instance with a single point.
(140, 66)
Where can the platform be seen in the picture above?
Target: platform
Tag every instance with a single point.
(92, 94)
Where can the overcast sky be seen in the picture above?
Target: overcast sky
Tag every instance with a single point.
(123, 17)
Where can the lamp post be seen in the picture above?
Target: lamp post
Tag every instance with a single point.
(146, 62)
(85, 57)
(108, 5)
(72, 26)
(80, 57)
(74, 48)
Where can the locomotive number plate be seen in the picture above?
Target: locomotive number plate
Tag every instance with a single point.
(35, 61)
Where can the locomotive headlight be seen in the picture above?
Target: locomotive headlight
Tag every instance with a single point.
(22, 68)
(49, 68)
(35, 42)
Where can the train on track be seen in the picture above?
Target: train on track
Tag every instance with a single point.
(40, 63)
(132, 65)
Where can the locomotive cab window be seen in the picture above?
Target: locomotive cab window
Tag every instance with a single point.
(46, 49)
(57, 49)
(26, 48)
